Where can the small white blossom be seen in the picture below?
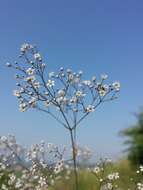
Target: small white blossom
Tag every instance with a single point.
(51, 74)
(50, 83)
(25, 47)
(113, 176)
(61, 93)
(140, 186)
(3, 138)
(22, 107)
(30, 79)
(90, 108)
(116, 86)
(32, 102)
(87, 82)
(104, 76)
(96, 170)
(102, 92)
(30, 71)
(141, 168)
(47, 103)
(73, 99)
(109, 186)
(17, 93)
(79, 93)
(37, 56)
(36, 85)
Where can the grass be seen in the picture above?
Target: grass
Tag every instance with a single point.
(87, 181)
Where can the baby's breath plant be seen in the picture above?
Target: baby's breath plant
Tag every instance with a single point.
(42, 165)
(105, 176)
(64, 95)
(36, 168)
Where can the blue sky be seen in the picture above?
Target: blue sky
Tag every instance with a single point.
(96, 36)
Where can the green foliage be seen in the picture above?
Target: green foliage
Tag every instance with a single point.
(135, 141)
(87, 181)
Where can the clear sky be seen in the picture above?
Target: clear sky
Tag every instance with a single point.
(96, 36)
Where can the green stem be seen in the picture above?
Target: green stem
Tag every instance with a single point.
(74, 152)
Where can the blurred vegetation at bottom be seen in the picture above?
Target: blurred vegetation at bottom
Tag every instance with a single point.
(87, 181)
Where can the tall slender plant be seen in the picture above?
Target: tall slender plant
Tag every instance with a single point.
(64, 95)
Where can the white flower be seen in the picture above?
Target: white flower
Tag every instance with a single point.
(42, 181)
(96, 170)
(102, 89)
(32, 102)
(3, 138)
(47, 103)
(102, 92)
(4, 187)
(25, 47)
(17, 93)
(18, 183)
(110, 176)
(51, 74)
(73, 99)
(36, 85)
(8, 65)
(70, 77)
(50, 145)
(140, 186)
(62, 100)
(116, 86)
(87, 82)
(104, 77)
(37, 56)
(101, 180)
(116, 175)
(109, 186)
(113, 176)
(50, 83)
(59, 166)
(61, 93)
(76, 80)
(90, 108)
(2, 165)
(57, 170)
(12, 179)
(30, 78)
(141, 168)
(60, 163)
(22, 107)
(79, 93)
(30, 71)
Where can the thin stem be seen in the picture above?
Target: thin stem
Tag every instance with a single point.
(18, 157)
(52, 115)
(74, 152)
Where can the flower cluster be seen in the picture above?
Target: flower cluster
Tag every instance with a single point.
(106, 180)
(140, 170)
(73, 96)
(65, 95)
(42, 165)
(140, 186)
(38, 168)
(138, 180)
